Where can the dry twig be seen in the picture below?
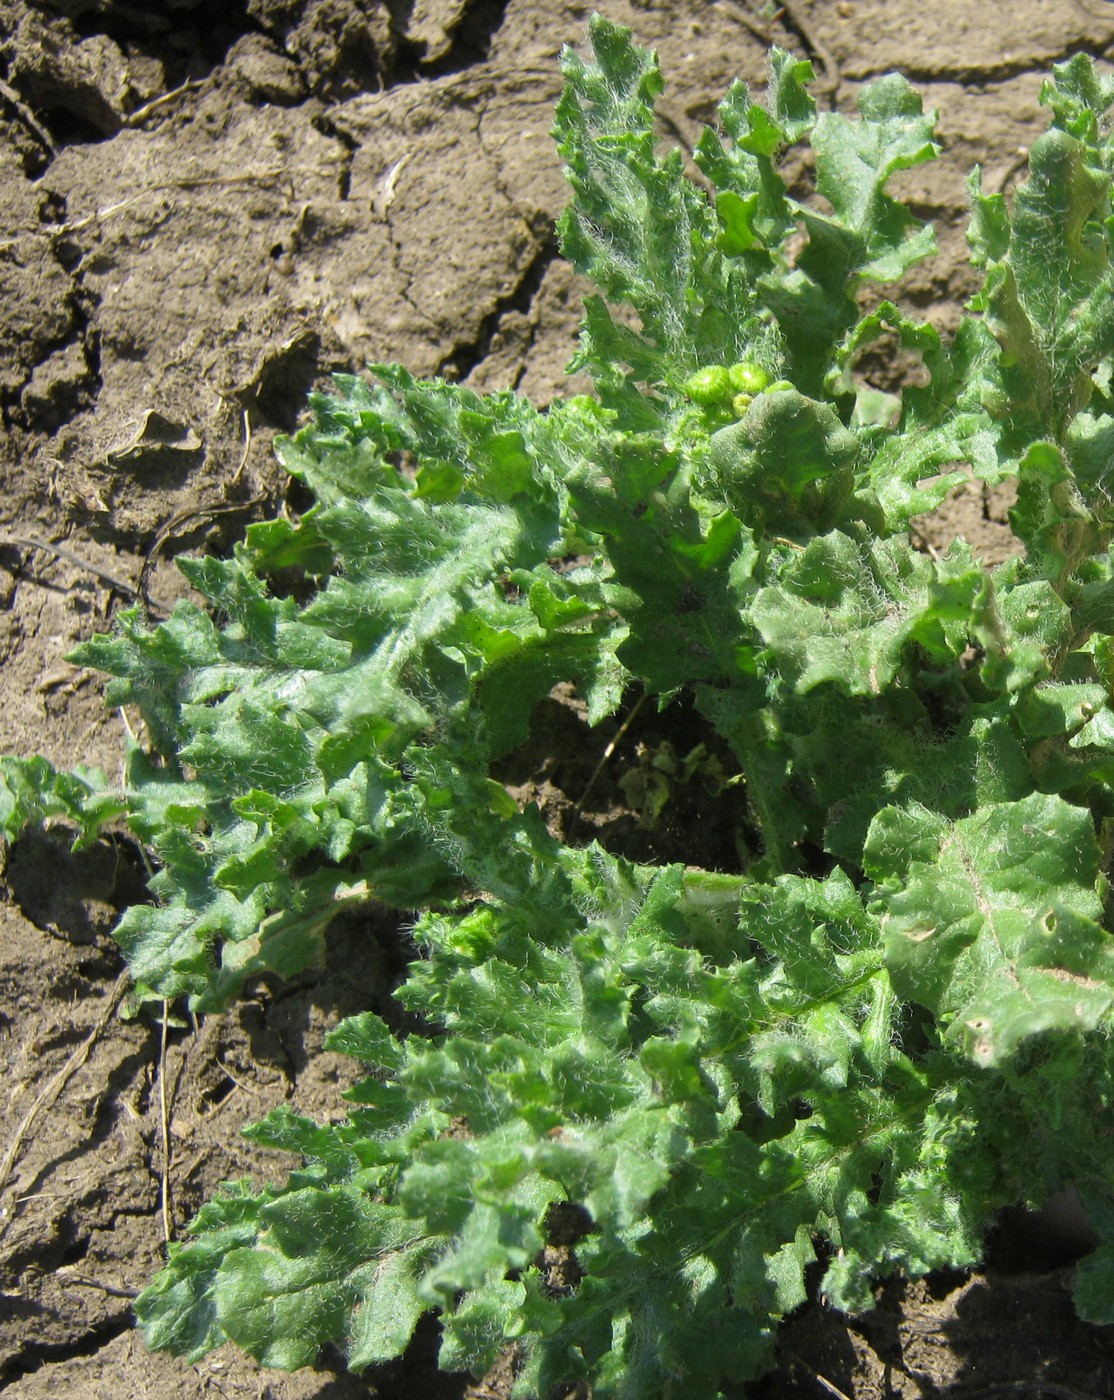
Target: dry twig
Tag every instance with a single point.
(60, 551)
(164, 1125)
(604, 758)
(163, 100)
(183, 517)
(83, 1281)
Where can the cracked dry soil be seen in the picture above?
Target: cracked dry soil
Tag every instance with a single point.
(206, 208)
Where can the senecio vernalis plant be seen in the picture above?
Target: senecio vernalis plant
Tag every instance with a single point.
(692, 1085)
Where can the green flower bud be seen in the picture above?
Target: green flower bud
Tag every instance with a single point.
(748, 378)
(709, 386)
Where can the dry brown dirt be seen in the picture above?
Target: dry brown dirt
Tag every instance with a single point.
(206, 208)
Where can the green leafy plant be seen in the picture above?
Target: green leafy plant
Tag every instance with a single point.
(652, 1098)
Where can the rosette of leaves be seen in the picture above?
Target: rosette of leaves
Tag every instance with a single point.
(688, 1085)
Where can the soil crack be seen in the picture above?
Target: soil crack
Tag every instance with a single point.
(35, 1355)
(986, 74)
(464, 358)
(348, 146)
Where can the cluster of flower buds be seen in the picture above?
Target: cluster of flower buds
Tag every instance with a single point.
(725, 392)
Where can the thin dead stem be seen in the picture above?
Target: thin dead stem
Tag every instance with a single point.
(61, 552)
(604, 760)
(182, 518)
(164, 1126)
(164, 99)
